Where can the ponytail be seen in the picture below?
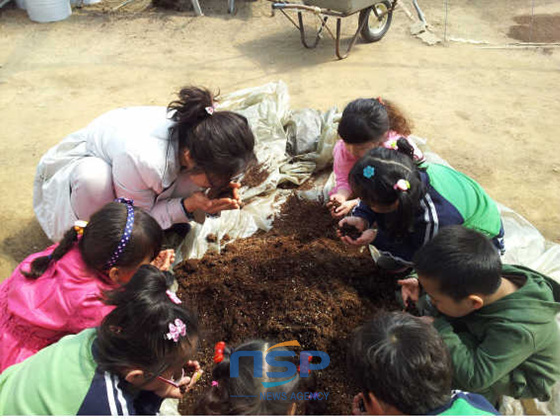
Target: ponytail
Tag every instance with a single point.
(405, 147)
(40, 264)
(190, 108)
(220, 143)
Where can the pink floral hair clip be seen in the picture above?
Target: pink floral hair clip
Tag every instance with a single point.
(176, 330)
(173, 297)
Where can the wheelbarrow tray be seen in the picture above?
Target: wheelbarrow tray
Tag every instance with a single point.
(346, 7)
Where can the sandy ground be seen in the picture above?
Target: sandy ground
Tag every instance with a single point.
(491, 113)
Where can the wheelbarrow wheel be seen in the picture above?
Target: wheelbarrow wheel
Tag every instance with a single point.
(374, 29)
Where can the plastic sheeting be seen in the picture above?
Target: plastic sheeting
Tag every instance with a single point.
(310, 135)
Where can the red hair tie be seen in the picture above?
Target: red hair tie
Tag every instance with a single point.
(380, 100)
(309, 358)
(219, 351)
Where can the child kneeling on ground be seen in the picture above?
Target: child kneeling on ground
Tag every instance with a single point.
(497, 321)
(402, 367)
(135, 359)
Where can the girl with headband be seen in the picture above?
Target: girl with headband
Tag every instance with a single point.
(136, 358)
(57, 291)
(402, 206)
(173, 162)
(365, 124)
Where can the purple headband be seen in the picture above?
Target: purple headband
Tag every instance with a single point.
(125, 238)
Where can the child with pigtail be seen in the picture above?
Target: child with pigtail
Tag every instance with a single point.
(137, 357)
(230, 395)
(364, 125)
(57, 291)
(403, 206)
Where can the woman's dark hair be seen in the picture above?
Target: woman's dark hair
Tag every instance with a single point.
(101, 237)
(221, 144)
(133, 334)
(390, 166)
(218, 400)
(365, 120)
(462, 261)
(403, 362)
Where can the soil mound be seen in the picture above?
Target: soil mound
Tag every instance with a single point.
(296, 282)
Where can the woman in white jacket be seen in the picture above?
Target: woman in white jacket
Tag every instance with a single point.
(162, 158)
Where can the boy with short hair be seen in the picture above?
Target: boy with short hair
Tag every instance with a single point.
(402, 367)
(497, 321)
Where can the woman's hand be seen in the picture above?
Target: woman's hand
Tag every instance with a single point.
(199, 201)
(164, 260)
(367, 236)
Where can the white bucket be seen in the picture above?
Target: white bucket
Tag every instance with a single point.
(48, 10)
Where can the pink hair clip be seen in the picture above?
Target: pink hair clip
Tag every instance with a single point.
(215, 383)
(179, 329)
(173, 297)
(402, 185)
(211, 109)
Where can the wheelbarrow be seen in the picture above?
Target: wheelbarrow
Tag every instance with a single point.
(374, 18)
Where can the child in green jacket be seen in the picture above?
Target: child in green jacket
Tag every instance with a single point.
(497, 321)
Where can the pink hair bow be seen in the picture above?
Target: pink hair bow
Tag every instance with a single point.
(179, 329)
(173, 297)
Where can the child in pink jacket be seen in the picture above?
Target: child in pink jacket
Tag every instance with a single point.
(365, 124)
(57, 291)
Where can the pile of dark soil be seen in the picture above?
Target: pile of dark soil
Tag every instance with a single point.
(539, 28)
(296, 282)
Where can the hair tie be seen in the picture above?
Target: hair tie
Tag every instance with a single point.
(380, 100)
(402, 185)
(173, 297)
(219, 349)
(79, 226)
(179, 329)
(127, 233)
(211, 109)
(215, 383)
(369, 171)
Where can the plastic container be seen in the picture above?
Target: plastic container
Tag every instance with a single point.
(48, 10)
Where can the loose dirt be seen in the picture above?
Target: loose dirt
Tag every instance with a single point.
(296, 282)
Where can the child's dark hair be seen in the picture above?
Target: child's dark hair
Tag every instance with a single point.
(101, 237)
(462, 261)
(403, 362)
(389, 167)
(218, 400)
(221, 143)
(133, 335)
(365, 120)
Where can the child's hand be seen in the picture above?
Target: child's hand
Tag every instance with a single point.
(357, 405)
(164, 260)
(340, 209)
(197, 373)
(410, 289)
(367, 236)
